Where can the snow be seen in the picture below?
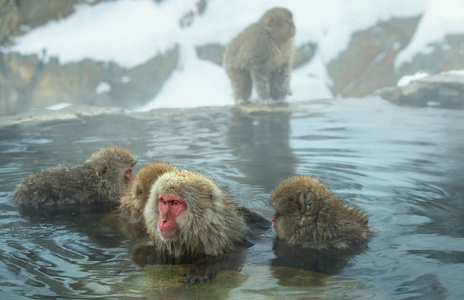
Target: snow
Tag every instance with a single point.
(405, 80)
(130, 32)
(102, 88)
(58, 106)
(440, 18)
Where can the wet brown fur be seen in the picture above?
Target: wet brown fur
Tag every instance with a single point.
(261, 56)
(128, 218)
(210, 225)
(136, 195)
(100, 179)
(309, 215)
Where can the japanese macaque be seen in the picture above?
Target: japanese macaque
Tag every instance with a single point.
(101, 179)
(261, 57)
(309, 215)
(187, 215)
(129, 214)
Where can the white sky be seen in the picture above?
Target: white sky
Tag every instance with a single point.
(131, 32)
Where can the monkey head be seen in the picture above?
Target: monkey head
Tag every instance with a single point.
(136, 195)
(278, 22)
(188, 213)
(308, 214)
(113, 163)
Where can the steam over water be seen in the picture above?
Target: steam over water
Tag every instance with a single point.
(403, 166)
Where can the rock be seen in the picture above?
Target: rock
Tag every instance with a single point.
(28, 82)
(18, 16)
(443, 90)
(75, 112)
(211, 52)
(440, 56)
(368, 62)
(304, 54)
(9, 19)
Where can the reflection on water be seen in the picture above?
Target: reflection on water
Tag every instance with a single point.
(403, 166)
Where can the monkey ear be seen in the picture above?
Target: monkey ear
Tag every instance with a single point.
(102, 170)
(300, 203)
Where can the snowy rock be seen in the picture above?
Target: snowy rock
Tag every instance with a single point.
(30, 82)
(69, 113)
(368, 62)
(442, 90)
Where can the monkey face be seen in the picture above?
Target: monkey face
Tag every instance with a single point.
(169, 207)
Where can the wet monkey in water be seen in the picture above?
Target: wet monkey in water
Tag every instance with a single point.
(129, 215)
(101, 179)
(137, 193)
(189, 217)
(261, 57)
(309, 215)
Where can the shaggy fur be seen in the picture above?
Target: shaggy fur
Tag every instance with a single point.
(309, 215)
(100, 179)
(136, 195)
(128, 218)
(210, 224)
(261, 56)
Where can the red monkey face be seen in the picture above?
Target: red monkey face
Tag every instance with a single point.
(170, 207)
(128, 174)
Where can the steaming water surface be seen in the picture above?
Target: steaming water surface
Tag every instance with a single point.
(403, 166)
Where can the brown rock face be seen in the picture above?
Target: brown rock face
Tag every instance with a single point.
(441, 56)
(368, 62)
(28, 82)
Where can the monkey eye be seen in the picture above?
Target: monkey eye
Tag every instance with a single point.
(175, 203)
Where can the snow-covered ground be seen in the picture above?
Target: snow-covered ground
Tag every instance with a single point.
(130, 32)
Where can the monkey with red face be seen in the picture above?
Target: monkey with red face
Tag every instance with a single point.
(191, 220)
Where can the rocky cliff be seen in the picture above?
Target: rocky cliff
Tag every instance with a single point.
(37, 81)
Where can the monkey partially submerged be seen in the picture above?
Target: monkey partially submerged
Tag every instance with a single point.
(129, 215)
(261, 57)
(309, 215)
(191, 220)
(188, 213)
(101, 179)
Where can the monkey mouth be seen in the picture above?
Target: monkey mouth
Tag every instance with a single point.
(167, 234)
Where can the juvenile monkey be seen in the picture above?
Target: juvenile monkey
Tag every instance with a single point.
(136, 195)
(101, 179)
(309, 215)
(129, 215)
(261, 57)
